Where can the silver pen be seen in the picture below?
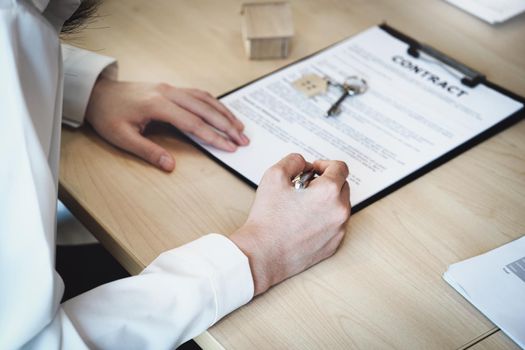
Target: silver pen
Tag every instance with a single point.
(302, 180)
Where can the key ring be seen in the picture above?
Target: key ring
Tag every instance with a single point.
(352, 86)
(355, 84)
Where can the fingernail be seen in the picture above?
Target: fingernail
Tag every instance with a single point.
(231, 146)
(245, 139)
(165, 162)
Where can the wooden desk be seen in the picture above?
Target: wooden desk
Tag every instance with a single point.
(383, 289)
(497, 340)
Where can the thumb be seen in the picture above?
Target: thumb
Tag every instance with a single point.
(132, 141)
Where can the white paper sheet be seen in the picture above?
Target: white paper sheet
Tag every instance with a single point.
(495, 284)
(413, 112)
(492, 11)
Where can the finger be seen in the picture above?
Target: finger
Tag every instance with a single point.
(210, 136)
(346, 208)
(345, 192)
(211, 115)
(308, 167)
(189, 122)
(334, 170)
(291, 165)
(131, 140)
(208, 98)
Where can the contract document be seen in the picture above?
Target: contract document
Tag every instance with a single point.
(413, 112)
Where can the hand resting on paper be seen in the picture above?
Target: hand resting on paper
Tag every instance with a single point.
(120, 111)
(289, 230)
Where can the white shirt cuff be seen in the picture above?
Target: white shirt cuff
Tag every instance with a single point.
(228, 270)
(81, 70)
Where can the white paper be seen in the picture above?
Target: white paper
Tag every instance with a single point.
(492, 11)
(404, 120)
(495, 284)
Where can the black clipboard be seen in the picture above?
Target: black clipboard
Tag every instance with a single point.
(471, 78)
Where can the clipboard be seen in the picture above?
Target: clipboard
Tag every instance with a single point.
(470, 78)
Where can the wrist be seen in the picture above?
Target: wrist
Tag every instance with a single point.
(97, 93)
(245, 238)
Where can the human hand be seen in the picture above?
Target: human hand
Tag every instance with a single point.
(120, 112)
(289, 230)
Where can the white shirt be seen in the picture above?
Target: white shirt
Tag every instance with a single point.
(178, 296)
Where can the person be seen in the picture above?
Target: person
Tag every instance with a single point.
(185, 290)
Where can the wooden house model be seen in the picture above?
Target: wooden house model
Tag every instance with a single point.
(267, 29)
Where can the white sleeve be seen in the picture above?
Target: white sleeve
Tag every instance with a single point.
(181, 294)
(81, 70)
(178, 296)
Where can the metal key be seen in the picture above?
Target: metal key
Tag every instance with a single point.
(352, 86)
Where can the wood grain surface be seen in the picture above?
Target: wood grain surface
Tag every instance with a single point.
(383, 288)
(497, 340)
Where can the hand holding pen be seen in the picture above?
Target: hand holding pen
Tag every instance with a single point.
(289, 230)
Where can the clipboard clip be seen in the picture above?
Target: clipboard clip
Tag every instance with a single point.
(471, 77)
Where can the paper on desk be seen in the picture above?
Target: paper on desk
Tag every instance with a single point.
(413, 112)
(494, 283)
(492, 11)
